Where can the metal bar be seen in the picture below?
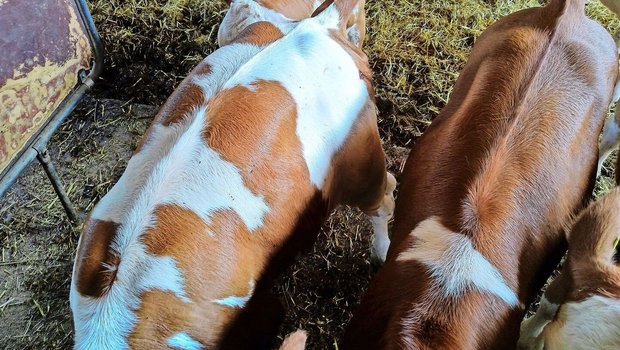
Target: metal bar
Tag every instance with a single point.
(95, 40)
(16, 169)
(44, 158)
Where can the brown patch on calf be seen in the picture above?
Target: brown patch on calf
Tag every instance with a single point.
(345, 10)
(260, 34)
(174, 227)
(189, 99)
(186, 98)
(598, 279)
(466, 322)
(207, 256)
(161, 315)
(96, 263)
(273, 165)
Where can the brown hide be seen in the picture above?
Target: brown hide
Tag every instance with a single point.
(507, 163)
(96, 265)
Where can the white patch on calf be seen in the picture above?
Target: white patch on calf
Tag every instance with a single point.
(453, 262)
(223, 63)
(593, 323)
(236, 301)
(330, 17)
(162, 273)
(183, 341)
(196, 177)
(324, 82)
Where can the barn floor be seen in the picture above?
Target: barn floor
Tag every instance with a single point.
(416, 49)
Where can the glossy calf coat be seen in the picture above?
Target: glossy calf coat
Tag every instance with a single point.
(489, 188)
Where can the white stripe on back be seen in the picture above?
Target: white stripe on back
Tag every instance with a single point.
(454, 263)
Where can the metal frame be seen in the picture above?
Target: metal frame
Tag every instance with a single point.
(37, 146)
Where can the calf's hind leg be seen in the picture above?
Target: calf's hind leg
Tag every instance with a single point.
(380, 218)
(361, 180)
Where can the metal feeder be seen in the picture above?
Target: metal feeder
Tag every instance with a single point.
(50, 55)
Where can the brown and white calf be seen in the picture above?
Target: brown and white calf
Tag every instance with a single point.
(242, 13)
(581, 307)
(488, 189)
(235, 176)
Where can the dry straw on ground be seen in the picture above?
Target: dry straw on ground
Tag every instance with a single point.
(416, 50)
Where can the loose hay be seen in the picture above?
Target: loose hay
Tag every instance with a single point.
(416, 50)
(151, 45)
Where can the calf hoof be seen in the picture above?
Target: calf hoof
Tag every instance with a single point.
(295, 341)
(379, 250)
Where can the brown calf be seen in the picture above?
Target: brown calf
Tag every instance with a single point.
(581, 307)
(488, 189)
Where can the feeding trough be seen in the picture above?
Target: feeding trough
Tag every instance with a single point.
(50, 55)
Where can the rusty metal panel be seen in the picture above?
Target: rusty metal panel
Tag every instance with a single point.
(44, 45)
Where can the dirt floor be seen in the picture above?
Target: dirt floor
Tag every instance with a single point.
(416, 49)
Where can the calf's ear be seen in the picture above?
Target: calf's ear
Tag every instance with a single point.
(336, 12)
